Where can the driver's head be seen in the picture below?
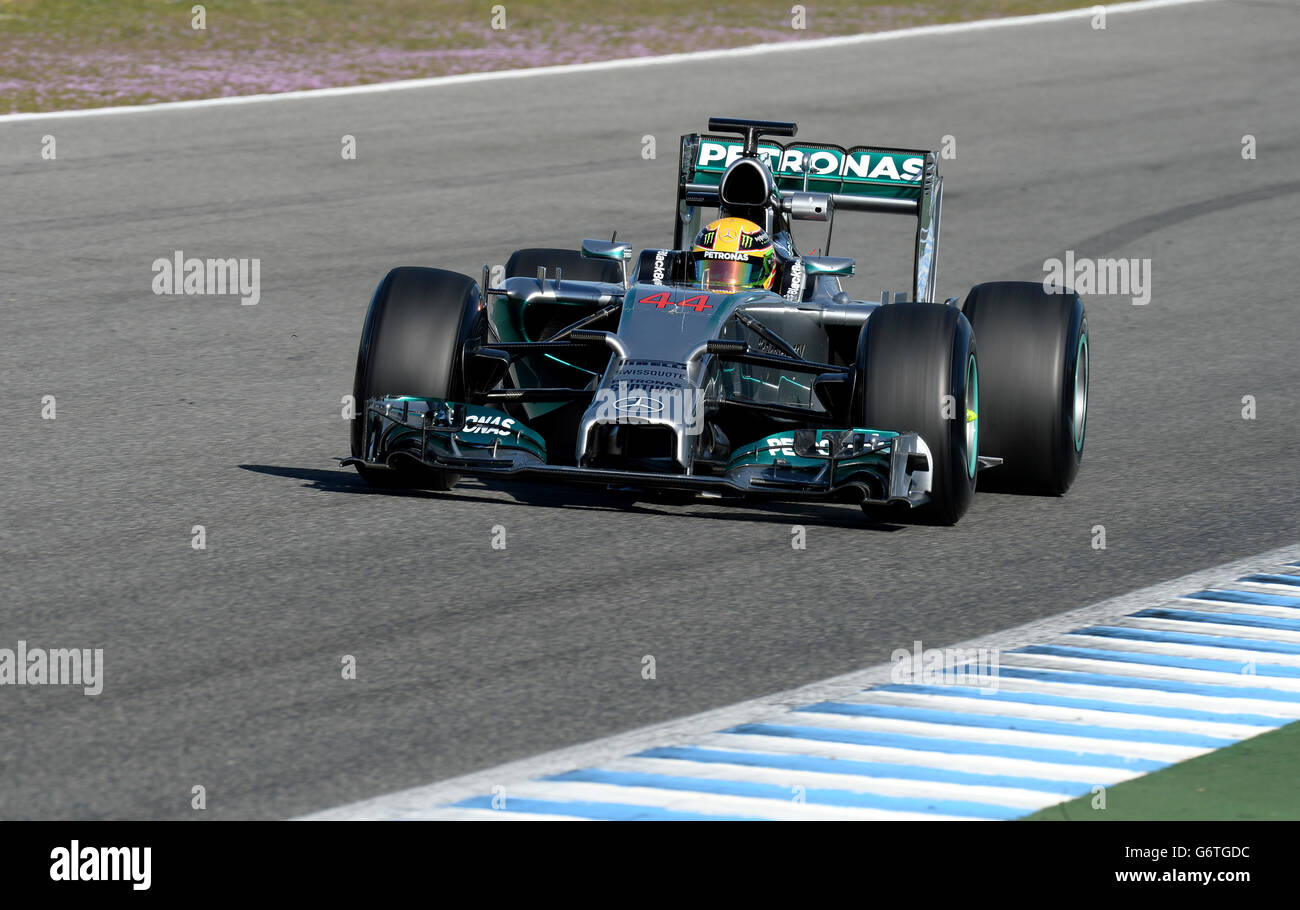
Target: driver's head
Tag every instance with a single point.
(731, 254)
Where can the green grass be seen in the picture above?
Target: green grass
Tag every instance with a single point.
(1252, 780)
(59, 54)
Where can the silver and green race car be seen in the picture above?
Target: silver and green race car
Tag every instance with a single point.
(584, 366)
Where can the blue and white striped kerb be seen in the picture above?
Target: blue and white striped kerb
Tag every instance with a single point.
(1096, 706)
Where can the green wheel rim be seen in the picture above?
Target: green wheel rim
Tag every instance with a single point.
(1079, 413)
(972, 415)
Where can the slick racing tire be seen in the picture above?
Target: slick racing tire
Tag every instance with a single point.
(1034, 378)
(415, 332)
(911, 358)
(572, 264)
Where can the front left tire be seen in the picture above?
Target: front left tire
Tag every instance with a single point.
(415, 332)
(917, 370)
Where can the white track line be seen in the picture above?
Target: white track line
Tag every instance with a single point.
(984, 706)
(886, 786)
(813, 44)
(1139, 670)
(1284, 711)
(995, 736)
(1214, 628)
(1268, 587)
(492, 815)
(1206, 605)
(917, 758)
(704, 729)
(1173, 649)
(705, 803)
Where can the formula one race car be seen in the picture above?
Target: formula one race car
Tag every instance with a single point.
(730, 365)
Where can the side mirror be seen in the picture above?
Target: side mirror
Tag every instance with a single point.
(606, 249)
(829, 265)
(616, 251)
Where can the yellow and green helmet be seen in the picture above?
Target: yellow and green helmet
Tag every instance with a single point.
(731, 254)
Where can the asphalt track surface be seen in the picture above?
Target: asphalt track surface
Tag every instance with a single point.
(222, 666)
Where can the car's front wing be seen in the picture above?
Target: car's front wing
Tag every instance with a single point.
(877, 467)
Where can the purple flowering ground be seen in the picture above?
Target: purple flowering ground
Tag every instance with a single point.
(63, 54)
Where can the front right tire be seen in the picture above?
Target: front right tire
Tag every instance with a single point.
(1036, 359)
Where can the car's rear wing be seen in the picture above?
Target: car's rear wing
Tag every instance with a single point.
(860, 178)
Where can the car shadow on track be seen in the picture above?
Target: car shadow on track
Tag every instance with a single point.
(578, 497)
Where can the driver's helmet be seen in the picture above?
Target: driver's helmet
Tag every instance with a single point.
(731, 254)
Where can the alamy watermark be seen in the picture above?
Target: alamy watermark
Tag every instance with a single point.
(622, 403)
(1131, 277)
(194, 276)
(75, 863)
(976, 667)
(24, 666)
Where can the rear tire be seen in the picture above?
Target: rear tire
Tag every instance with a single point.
(1035, 384)
(572, 264)
(415, 331)
(911, 356)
